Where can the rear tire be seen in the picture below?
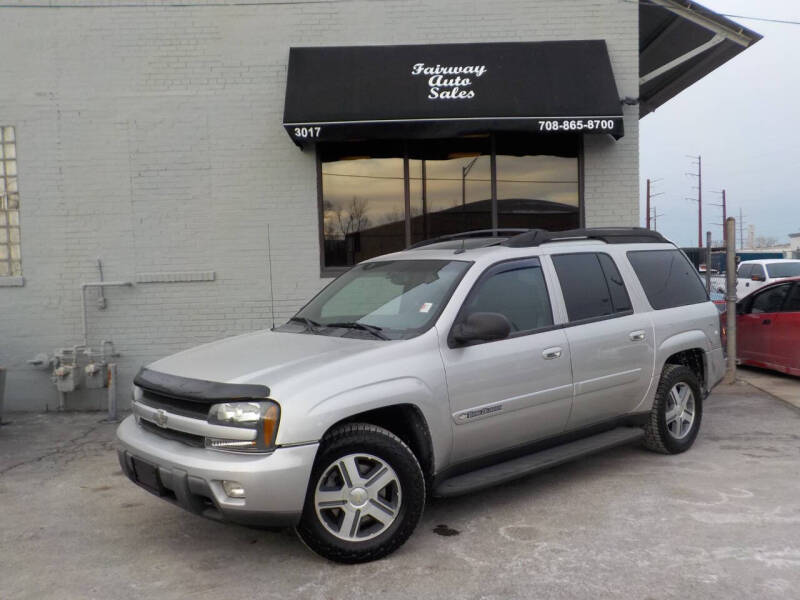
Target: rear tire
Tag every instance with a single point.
(365, 496)
(677, 411)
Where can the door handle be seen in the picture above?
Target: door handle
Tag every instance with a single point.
(551, 353)
(766, 321)
(636, 336)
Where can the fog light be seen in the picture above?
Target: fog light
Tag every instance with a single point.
(233, 489)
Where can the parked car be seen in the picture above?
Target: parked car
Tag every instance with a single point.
(754, 274)
(443, 369)
(768, 327)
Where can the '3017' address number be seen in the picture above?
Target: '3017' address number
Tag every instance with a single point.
(307, 132)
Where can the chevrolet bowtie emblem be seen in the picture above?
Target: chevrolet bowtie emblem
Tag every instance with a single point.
(161, 418)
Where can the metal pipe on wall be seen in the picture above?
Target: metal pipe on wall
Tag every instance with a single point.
(96, 284)
(2, 392)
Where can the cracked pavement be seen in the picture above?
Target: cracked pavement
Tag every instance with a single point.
(721, 521)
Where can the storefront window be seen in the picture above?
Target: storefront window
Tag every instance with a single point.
(537, 184)
(450, 187)
(449, 191)
(363, 203)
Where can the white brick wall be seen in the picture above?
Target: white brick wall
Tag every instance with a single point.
(151, 136)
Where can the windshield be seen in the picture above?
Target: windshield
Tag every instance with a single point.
(783, 269)
(395, 298)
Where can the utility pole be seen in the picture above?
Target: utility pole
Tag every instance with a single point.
(741, 229)
(723, 204)
(650, 196)
(699, 200)
(656, 214)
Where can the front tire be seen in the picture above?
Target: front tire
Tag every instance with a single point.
(677, 411)
(365, 496)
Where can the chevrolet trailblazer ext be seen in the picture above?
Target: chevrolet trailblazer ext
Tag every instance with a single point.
(455, 365)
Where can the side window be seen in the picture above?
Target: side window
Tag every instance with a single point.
(744, 271)
(668, 278)
(619, 295)
(591, 285)
(516, 290)
(793, 302)
(769, 301)
(759, 271)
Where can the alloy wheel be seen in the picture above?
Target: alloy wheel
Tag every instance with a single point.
(358, 497)
(680, 410)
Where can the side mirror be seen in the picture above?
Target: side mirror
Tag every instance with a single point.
(482, 327)
(757, 278)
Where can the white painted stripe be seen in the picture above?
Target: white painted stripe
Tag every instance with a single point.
(306, 123)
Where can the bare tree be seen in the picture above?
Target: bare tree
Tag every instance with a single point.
(342, 220)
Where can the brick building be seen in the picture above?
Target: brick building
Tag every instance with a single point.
(151, 136)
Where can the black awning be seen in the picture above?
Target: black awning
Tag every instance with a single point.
(446, 90)
(680, 42)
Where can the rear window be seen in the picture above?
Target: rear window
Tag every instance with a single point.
(591, 285)
(668, 278)
(787, 269)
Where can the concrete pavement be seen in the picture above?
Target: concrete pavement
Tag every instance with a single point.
(785, 387)
(720, 521)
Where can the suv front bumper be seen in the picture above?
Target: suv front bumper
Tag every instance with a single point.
(275, 484)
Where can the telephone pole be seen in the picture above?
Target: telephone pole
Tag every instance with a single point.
(699, 200)
(724, 206)
(656, 214)
(650, 196)
(741, 229)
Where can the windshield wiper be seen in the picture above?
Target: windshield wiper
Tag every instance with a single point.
(310, 324)
(373, 329)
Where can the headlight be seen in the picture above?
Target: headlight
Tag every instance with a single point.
(262, 417)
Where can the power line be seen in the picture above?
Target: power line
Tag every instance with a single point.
(766, 20)
(475, 179)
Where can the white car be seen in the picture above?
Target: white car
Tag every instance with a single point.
(754, 274)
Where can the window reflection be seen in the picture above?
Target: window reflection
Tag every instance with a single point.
(537, 185)
(363, 204)
(450, 186)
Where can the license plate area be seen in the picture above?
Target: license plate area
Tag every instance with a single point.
(146, 475)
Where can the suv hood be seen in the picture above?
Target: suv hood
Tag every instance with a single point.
(262, 357)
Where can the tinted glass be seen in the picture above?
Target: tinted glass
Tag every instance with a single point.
(363, 206)
(516, 290)
(619, 295)
(744, 270)
(787, 269)
(537, 183)
(668, 278)
(793, 302)
(757, 270)
(583, 284)
(450, 186)
(400, 296)
(769, 301)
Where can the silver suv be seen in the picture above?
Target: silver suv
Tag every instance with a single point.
(443, 369)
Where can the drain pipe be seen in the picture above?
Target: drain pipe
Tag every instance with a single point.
(101, 285)
(2, 393)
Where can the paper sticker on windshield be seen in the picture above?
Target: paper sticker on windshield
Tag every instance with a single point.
(426, 307)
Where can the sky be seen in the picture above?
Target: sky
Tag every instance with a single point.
(744, 120)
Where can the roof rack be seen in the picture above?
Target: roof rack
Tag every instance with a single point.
(507, 233)
(610, 235)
